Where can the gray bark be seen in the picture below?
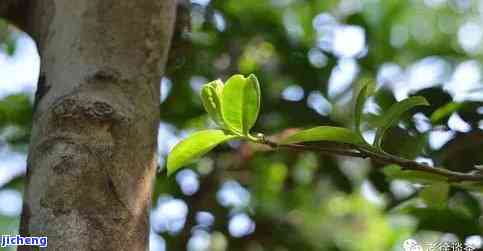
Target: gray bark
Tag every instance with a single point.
(92, 157)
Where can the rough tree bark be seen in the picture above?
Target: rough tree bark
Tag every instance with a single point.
(92, 155)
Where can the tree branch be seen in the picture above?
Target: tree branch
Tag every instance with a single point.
(380, 157)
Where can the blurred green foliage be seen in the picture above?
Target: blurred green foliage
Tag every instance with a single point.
(7, 41)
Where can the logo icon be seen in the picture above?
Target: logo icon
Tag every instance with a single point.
(412, 245)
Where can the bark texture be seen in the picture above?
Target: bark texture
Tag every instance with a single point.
(92, 157)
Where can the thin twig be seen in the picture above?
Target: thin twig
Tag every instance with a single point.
(383, 158)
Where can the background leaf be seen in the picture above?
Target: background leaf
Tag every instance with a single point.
(241, 102)
(394, 113)
(445, 111)
(325, 133)
(194, 147)
(395, 172)
(364, 93)
(476, 186)
(436, 194)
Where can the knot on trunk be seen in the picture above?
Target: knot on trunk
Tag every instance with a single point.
(77, 108)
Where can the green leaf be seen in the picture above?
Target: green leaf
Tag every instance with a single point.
(194, 146)
(366, 90)
(394, 113)
(436, 194)
(395, 172)
(445, 111)
(211, 97)
(476, 186)
(16, 109)
(241, 103)
(325, 133)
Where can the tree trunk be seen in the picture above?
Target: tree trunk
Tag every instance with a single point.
(92, 157)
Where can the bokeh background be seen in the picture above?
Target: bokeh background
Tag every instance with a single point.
(309, 56)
